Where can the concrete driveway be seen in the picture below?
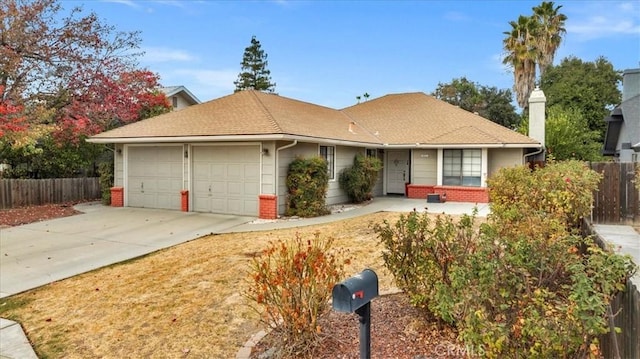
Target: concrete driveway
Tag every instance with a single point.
(35, 254)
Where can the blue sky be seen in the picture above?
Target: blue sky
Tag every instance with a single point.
(329, 52)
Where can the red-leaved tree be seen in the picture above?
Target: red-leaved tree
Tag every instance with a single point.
(110, 102)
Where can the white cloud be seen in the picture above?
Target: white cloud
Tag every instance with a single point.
(129, 3)
(594, 20)
(164, 54)
(456, 16)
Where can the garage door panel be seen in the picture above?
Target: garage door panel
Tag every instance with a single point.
(251, 189)
(235, 188)
(218, 188)
(154, 176)
(234, 175)
(218, 170)
(218, 205)
(251, 172)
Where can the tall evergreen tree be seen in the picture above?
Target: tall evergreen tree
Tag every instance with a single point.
(254, 74)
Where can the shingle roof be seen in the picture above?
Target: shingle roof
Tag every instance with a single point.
(412, 118)
(401, 119)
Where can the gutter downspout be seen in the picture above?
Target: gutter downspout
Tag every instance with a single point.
(533, 154)
(295, 142)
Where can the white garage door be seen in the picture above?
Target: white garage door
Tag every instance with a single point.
(154, 177)
(226, 179)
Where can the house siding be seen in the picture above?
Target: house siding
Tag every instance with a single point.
(504, 157)
(424, 167)
(118, 162)
(268, 172)
(286, 156)
(181, 102)
(344, 159)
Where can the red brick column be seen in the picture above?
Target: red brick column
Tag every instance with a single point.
(268, 206)
(117, 197)
(184, 195)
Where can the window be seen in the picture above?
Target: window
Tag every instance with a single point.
(372, 152)
(174, 101)
(462, 167)
(329, 154)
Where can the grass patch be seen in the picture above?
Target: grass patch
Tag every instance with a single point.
(11, 305)
(184, 301)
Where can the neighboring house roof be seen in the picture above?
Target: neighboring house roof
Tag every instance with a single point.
(627, 113)
(412, 119)
(176, 90)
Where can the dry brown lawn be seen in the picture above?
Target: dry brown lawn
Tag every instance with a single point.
(185, 301)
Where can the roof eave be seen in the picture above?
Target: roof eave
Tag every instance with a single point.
(275, 137)
(461, 145)
(228, 138)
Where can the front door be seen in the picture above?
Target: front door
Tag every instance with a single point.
(397, 171)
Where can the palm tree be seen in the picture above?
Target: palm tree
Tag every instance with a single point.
(550, 32)
(533, 40)
(521, 56)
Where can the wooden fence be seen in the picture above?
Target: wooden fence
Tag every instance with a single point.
(617, 201)
(27, 192)
(625, 309)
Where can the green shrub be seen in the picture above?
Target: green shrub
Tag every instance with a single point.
(428, 259)
(358, 180)
(105, 169)
(292, 282)
(307, 183)
(523, 285)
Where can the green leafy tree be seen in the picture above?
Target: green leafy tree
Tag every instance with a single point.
(533, 40)
(568, 136)
(589, 87)
(489, 102)
(254, 74)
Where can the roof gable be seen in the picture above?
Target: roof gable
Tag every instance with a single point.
(181, 91)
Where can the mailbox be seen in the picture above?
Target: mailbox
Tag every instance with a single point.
(355, 292)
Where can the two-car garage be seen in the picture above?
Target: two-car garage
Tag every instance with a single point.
(220, 178)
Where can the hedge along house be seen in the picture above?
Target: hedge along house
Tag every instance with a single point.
(231, 155)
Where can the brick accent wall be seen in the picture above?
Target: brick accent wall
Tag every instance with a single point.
(453, 193)
(419, 191)
(463, 194)
(117, 197)
(268, 206)
(184, 201)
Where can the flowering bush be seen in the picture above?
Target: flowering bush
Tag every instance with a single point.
(291, 282)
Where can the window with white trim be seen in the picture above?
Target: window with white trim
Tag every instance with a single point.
(462, 167)
(329, 154)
